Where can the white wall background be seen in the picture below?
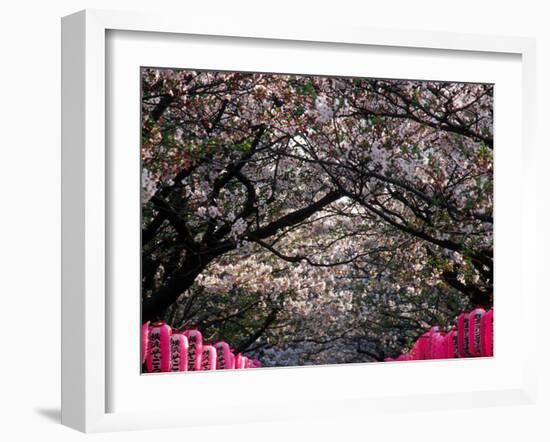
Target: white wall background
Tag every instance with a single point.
(30, 215)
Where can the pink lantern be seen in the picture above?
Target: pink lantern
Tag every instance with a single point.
(451, 344)
(463, 336)
(194, 353)
(179, 346)
(424, 348)
(420, 348)
(224, 355)
(487, 334)
(144, 341)
(474, 331)
(414, 352)
(425, 345)
(438, 348)
(158, 354)
(240, 361)
(249, 363)
(434, 331)
(231, 361)
(208, 357)
(256, 363)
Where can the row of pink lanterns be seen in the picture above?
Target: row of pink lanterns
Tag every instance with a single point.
(472, 337)
(166, 350)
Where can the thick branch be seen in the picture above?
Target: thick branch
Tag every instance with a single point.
(294, 217)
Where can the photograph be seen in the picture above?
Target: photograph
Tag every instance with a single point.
(294, 220)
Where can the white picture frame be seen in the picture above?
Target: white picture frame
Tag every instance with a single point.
(87, 376)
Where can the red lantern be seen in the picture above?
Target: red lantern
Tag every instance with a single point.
(179, 346)
(208, 357)
(420, 349)
(224, 355)
(432, 335)
(474, 331)
(438, 347)
(144, 341)
(425, 345)
(414, 352)
(194, 353)
(463, 336)
(451, 344)
(487, 334)
(158, 354)
(240, 361)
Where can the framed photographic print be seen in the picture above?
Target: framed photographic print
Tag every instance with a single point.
(306, 219)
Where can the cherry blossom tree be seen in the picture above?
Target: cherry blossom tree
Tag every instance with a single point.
(314, 219)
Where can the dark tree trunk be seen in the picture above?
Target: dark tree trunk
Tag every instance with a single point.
(153, 308)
